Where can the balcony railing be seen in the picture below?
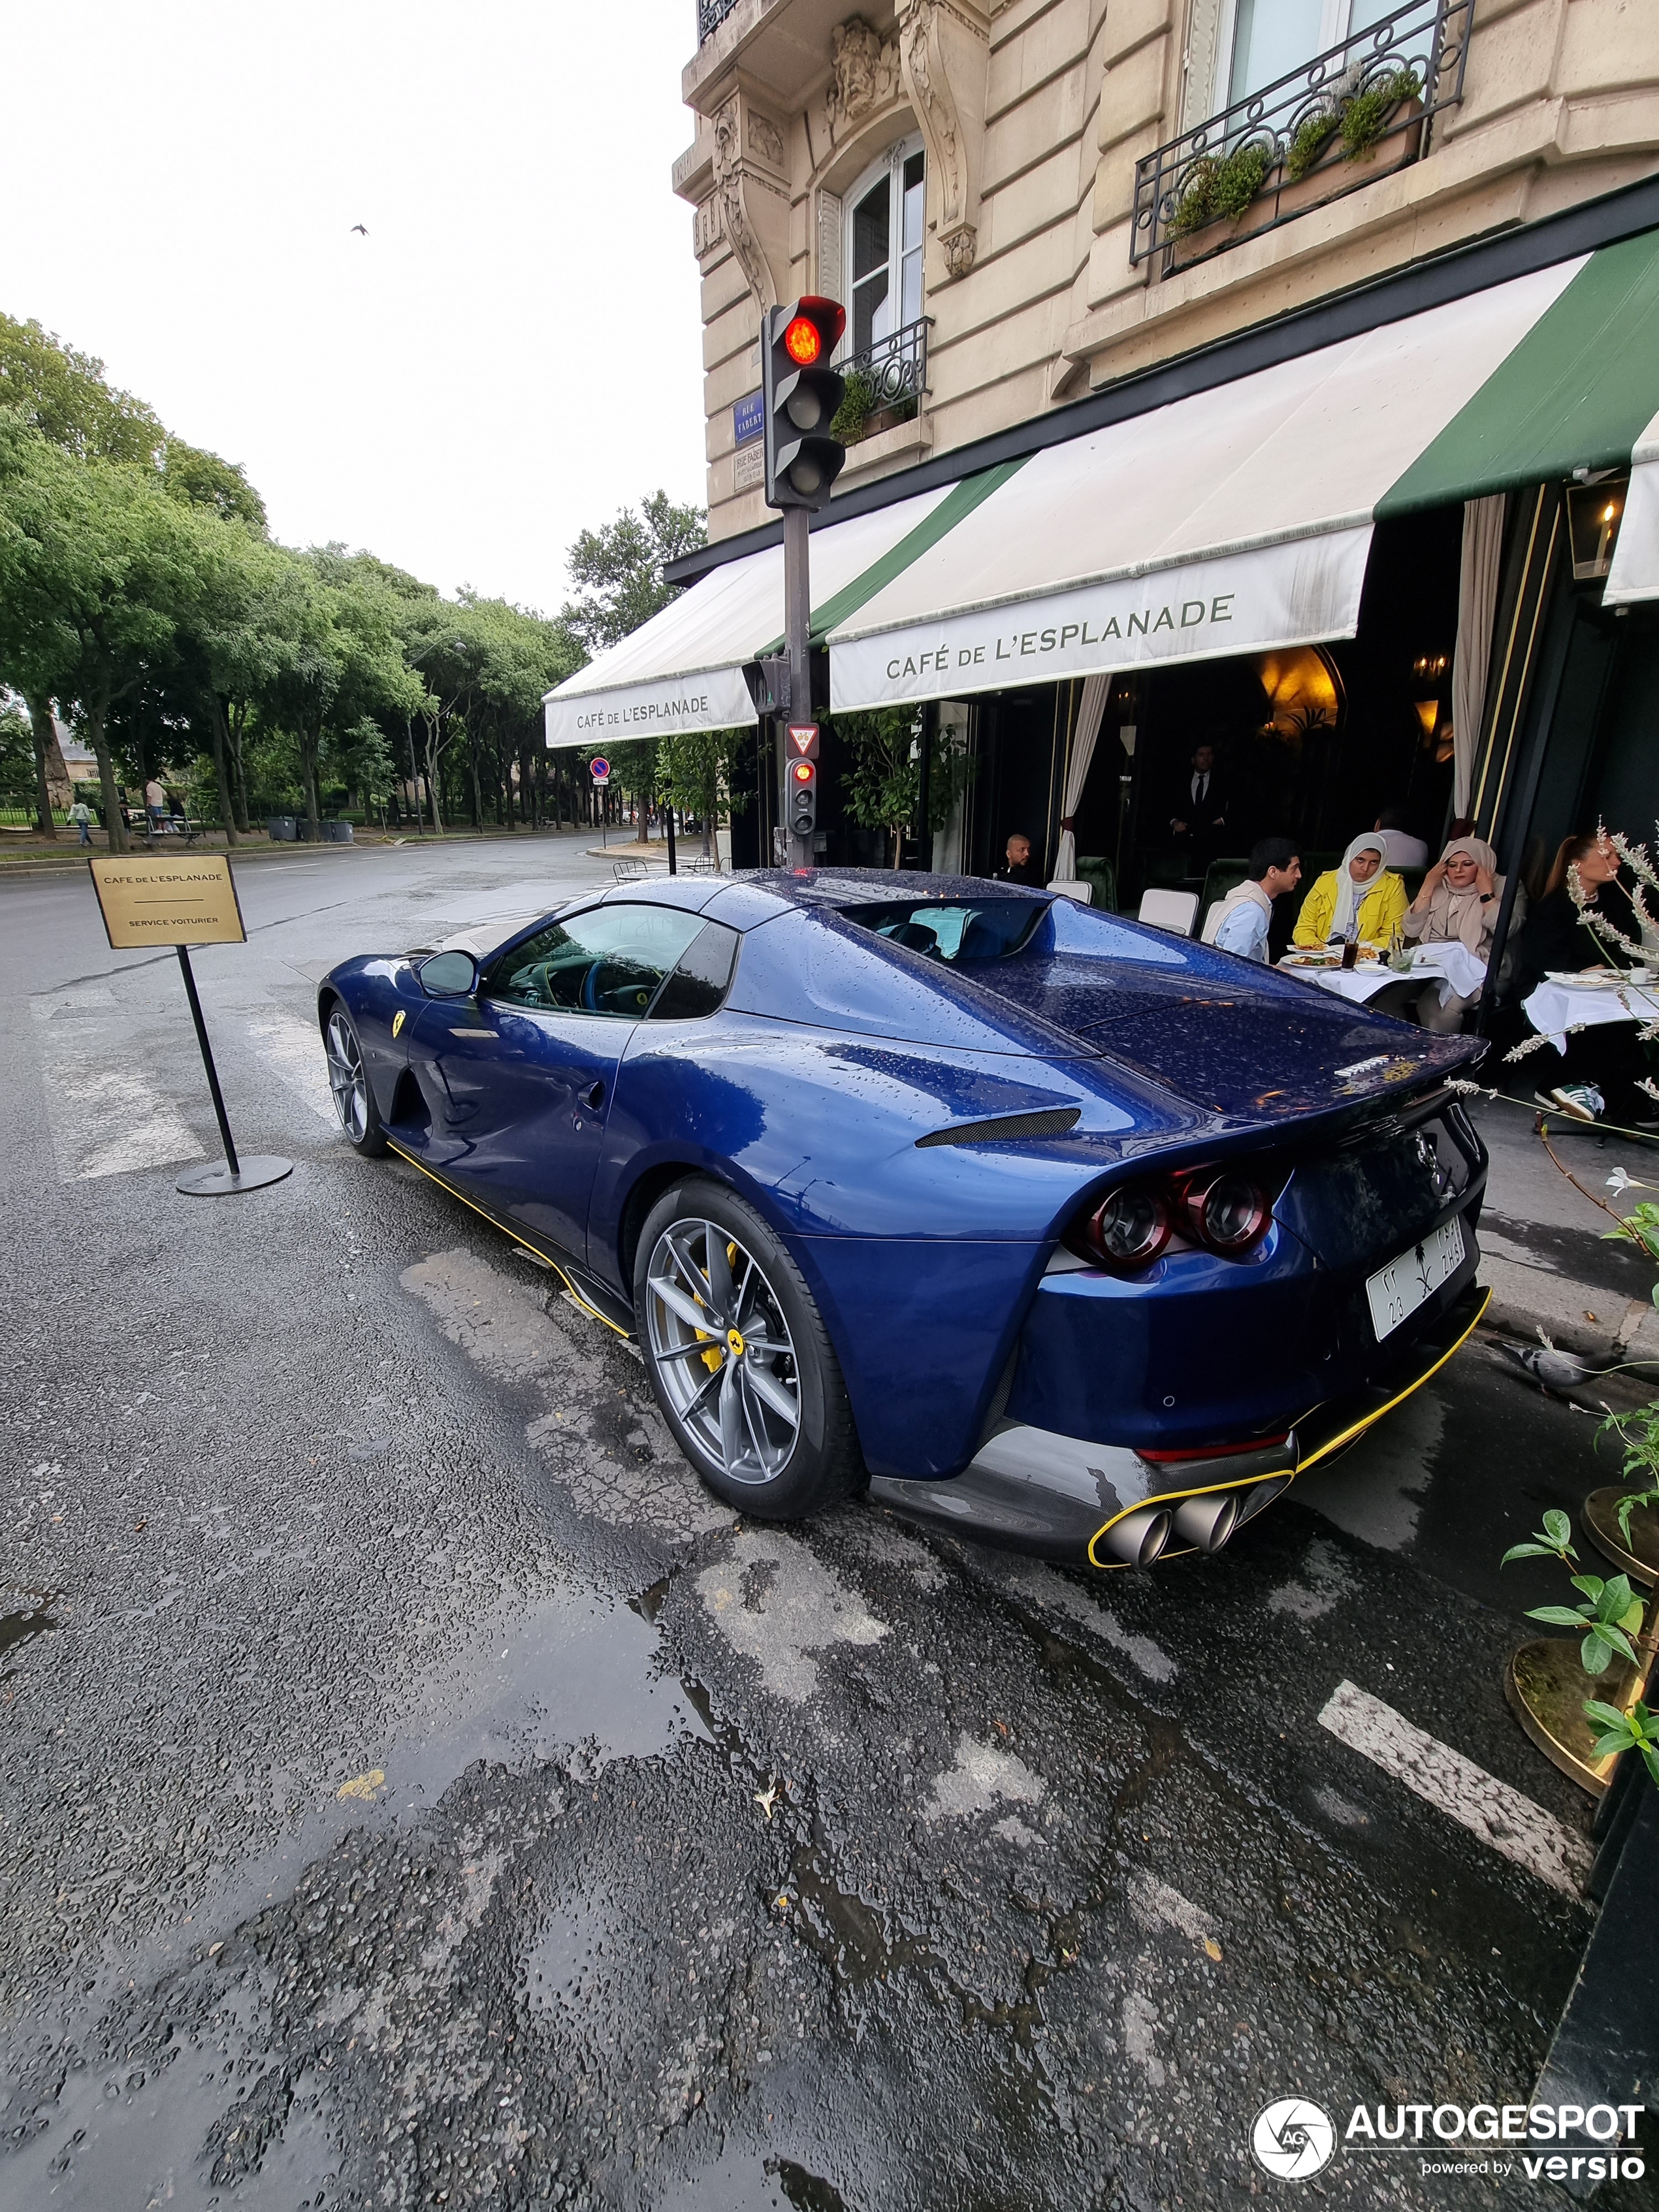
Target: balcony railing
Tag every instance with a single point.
(895, 366)
(1346, 118)
(711, 14)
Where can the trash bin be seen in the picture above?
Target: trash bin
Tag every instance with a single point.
(281, 827)
(336, 833)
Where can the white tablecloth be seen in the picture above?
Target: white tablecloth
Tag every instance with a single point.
(1454, 965)
(1555, 1008)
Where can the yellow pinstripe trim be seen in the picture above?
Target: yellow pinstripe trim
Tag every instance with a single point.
(1333, 1444)
(516, 1235)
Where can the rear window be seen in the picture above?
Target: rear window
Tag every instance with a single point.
(959, 930)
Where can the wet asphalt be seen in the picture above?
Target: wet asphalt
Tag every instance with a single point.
(416, 1790)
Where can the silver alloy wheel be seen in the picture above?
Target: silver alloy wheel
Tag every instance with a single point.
(346, 1079)
(721, 1350)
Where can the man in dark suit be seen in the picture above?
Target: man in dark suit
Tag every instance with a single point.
(1199, 808)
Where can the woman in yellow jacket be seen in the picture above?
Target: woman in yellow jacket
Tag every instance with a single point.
(1361, 899)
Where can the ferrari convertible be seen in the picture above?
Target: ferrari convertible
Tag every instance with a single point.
(1045, 1225)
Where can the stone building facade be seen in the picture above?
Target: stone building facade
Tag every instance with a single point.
(1032, 240)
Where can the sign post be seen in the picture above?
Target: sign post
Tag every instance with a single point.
(599, 768)
(147, 900)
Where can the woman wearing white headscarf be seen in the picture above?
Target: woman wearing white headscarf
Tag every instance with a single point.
(1459, 904)
(1362, 899)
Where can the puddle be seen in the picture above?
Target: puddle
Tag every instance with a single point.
(1377, 1491)
(569, 1956)
(749, 2181)
(32, 1618)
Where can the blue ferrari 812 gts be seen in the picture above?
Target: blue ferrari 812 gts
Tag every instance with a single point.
(1044, 1225)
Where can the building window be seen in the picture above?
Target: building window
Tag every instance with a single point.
(883, 246)
(1267, 40)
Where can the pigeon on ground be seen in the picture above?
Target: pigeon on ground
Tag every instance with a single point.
(1557, 1373)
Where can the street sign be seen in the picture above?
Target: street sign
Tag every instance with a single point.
(748, 417)
(145, 899)
(803, 741)
(599, 768)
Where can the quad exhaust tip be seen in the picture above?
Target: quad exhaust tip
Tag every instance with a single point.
(1139, 1537)
(1208, 1520)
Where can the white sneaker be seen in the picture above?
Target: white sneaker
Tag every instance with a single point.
(1582, 1100)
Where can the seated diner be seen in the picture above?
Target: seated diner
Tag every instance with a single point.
(1458, 903)
(1361, 900)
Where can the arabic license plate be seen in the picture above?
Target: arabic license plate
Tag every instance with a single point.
(1396, 1291)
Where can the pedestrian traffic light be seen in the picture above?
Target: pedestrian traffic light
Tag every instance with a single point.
(800, 398)
(803, 798)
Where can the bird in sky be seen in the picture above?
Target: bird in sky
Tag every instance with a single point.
(359, 230)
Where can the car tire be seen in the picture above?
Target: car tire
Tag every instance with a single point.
(763, 1416)
(348, 1081)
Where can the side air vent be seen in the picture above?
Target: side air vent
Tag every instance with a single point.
(1053, 1122)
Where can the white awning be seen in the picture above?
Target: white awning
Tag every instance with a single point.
(1235, 521)
(1635, 572)
(683, 669)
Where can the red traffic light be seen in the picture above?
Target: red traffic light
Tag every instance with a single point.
(804, 771)
(803, 341)
(814, 329)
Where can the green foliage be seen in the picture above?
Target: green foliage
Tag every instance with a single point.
(617, 568)
(1636, 1730)
(884, 785)
(199, 479)
(858, 405)
(1221, 190)
(1308, 141)
(694, 774)
(16, 757)
(1363, 118)
(65, 396)
(1608, 1618)
(1553, 1541)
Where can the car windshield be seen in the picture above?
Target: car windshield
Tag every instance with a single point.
(953, 929)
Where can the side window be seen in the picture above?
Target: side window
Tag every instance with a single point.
(703, 978)
(609, 961)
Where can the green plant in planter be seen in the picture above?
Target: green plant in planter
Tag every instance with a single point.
(1197, 202)
(858, 405)
(1637, 1730)
(1240, 178)
(1363, 118)
(1308, 141)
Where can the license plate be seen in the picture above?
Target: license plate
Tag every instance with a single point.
(1396, 1291)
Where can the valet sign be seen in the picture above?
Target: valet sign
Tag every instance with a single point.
(1297, 594)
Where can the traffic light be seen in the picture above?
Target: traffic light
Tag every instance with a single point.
(803, 798)
(800, 398)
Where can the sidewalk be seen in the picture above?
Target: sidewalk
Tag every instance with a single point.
(1541, 1248)
(32, 855)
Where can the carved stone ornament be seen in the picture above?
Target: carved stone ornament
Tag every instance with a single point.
(864, 75)
(740, 218)
(766, 142)
(944, 53)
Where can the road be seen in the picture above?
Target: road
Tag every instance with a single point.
(416, 1790)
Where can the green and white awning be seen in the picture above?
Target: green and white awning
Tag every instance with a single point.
(1235, 521)
(1240, 519)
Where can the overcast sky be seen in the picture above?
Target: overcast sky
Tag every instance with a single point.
(514, 351)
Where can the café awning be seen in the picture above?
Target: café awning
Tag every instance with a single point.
(1240, 519)
(1635, 574)
(683, 669)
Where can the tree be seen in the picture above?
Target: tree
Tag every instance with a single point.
(65, 396)
(884, 788)
(199, 479)
(693, 774)
(617, 568)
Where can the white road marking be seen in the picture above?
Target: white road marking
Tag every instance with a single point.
(107, 1112)
(1443, 1778)
(294, 1049)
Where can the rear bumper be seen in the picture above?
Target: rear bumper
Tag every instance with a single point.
(1057, 1496)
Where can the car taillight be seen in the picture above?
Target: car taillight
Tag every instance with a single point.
(1130, 1228)
(1225, 1212)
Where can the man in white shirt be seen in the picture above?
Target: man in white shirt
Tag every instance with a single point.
(1241, 921)
(1401, 849)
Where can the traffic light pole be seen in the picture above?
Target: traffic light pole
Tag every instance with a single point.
(797, 630)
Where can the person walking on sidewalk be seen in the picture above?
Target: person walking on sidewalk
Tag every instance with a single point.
(81, 814)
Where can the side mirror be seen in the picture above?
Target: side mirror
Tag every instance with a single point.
(449, 975)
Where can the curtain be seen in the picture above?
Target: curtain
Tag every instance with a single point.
(1477, 604)
(1091, 711)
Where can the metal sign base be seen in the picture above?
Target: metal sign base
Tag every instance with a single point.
(220, 1182)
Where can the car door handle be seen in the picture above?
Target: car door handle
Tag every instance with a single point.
(593, 1097)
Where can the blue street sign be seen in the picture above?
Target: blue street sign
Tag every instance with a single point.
(748, 419)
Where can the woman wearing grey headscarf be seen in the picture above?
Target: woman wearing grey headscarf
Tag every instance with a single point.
(1458, 903)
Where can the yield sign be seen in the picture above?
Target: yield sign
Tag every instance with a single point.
(803, 741)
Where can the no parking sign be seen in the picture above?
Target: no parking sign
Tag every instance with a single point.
(599, 768)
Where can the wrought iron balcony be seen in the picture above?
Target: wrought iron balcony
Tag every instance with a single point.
(1347, 116)
(711, 14)
(895, 368)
